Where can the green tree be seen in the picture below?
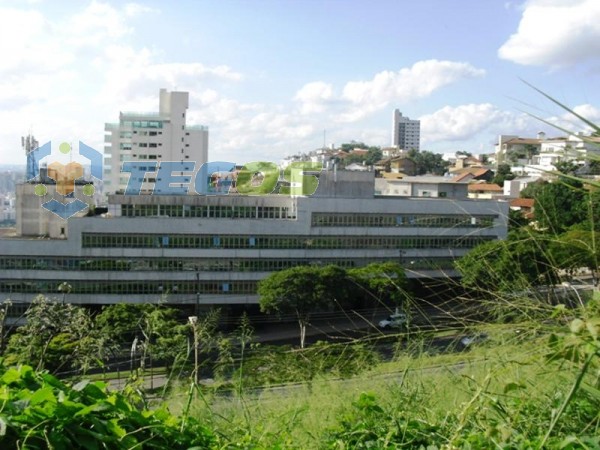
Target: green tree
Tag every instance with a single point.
(383, 282)
(503, 173)
(532, 189)
(428, 162)
(158, 332)
(56, 337)
(349, 146)
(300, 291)
(566, 167)
(559, 205)
(373, 156)
(513, 265)
(516, 220)
(576, 249)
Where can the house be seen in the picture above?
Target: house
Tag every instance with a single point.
(524, 205)
(485, 191)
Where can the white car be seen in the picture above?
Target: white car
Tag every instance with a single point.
(397, 320)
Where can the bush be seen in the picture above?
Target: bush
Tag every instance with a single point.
(39, 411)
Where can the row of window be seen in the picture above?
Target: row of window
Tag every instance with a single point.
(142, 123)
(400, 220)
(98, 240)
(201, 264)
(209, 211)
(130, 287)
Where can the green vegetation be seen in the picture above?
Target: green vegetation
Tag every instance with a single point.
(529, 385)
(288, 292)
(38, 411)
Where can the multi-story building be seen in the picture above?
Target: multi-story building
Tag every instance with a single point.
(406, 133)
(153, 137)
(214, 249)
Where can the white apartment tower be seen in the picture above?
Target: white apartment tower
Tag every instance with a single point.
(152, 137)
(406, 133)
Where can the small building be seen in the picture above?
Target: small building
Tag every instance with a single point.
(485, 191)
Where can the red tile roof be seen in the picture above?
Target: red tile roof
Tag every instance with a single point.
(522, 202)
(484, 187)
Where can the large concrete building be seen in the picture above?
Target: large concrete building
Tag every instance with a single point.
(406, 133)
(153, 137)
(214, 249)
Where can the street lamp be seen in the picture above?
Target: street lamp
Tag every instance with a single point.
(194, 324)
(65, 288)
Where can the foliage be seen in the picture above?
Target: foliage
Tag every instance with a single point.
(575, 249)
(503, 173)
(516, 220)
(56, 337)
(120, 322)
(383, 282)
(513, 265)
(269, 365)
(532, 189)
(300, 291)
(152, 326)
(368, 425)
(559, 205)
(39, 411)
(428, 162)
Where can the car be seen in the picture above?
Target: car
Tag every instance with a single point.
(468, 341)
(397, 320)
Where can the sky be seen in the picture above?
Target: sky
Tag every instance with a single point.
(274, 78)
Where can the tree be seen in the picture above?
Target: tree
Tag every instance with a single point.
(513, 265)
(349, 146)
(566, 167)
(373, 156)
(428, 162)
(56, 337)
(532, 189)
(385, 282)
(559, 205)
(576, 249)
(516, 220)
(503, 173)
(300, 291)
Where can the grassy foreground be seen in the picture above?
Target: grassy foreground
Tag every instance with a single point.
(533, 384)
(529, 385)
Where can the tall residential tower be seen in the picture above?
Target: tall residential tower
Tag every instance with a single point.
(161, 136)
(406, 133)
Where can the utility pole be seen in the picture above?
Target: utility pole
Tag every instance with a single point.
(197, 311)
(194, 324)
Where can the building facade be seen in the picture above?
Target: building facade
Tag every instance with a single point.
(214, 249)
(406, 133)
(153, 137)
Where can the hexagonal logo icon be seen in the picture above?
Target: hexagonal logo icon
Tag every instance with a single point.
(65, 175)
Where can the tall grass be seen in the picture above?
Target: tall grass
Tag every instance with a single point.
(513, 391)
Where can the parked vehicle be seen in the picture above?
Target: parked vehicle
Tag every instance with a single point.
(397, 320)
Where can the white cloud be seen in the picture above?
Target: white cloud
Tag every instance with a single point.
(569, 122)
(555, 33)
(418, 81)
(465, 121)
(134, 9)
(314, 96)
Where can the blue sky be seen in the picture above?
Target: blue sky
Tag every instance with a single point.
(272, 78)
